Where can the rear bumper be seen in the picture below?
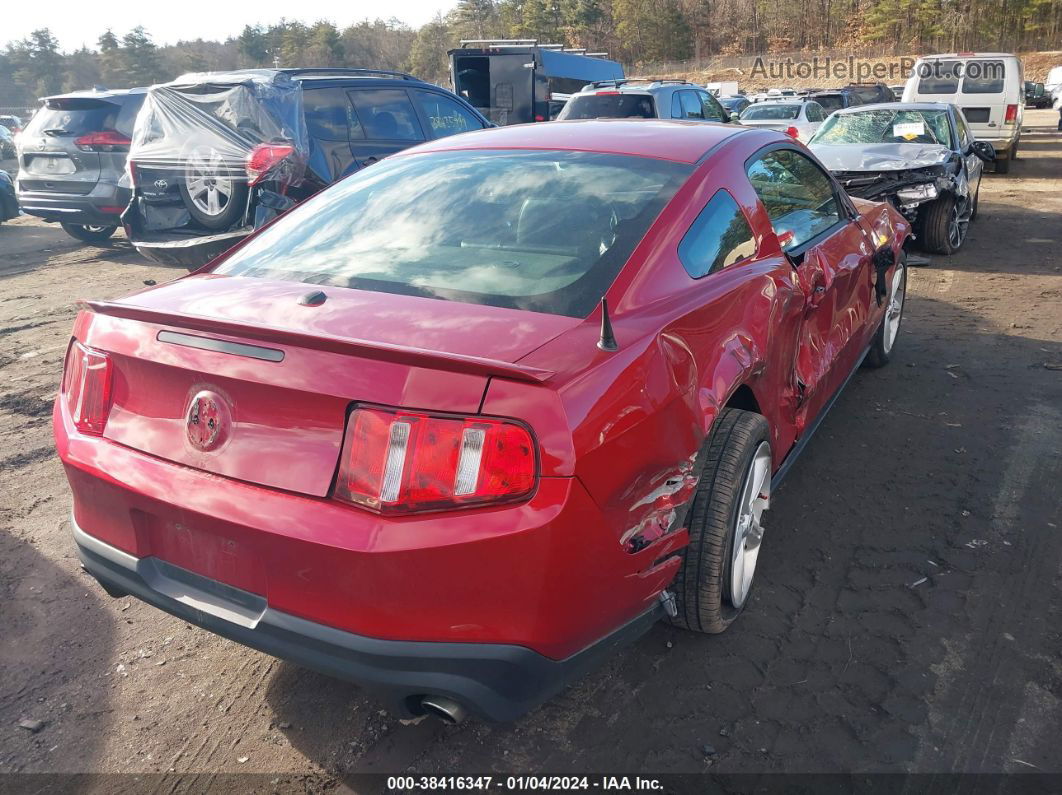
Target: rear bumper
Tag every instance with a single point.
(191, 251)
(494, 681)
(76, 208)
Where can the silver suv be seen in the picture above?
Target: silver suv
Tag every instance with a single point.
(646, 99)
(71, 160)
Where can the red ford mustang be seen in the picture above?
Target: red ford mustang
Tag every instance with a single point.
(463, 423)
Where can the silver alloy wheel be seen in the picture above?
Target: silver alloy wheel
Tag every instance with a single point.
(894, 313)
(208, 190)
(959, 222)
(95, 228)
(748, 531)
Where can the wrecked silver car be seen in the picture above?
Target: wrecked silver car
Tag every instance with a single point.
(921, 157)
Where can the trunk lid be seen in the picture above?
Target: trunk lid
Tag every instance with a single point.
(278, 377)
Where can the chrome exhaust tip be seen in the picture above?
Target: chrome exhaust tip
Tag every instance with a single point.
(445, 709)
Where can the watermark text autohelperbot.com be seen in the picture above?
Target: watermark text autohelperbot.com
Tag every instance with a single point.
(858, 70)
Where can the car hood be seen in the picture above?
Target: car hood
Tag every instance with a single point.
(880, 157)
(426, 324)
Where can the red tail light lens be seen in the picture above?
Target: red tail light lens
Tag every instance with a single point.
(105, 141)
(87, 388)
(398, 461)
(1012, 114)
(264, 158)
(792, 132)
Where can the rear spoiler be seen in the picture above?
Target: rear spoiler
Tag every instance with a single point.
(383, 351)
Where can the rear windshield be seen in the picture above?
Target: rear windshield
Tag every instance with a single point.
(829, 102)
(542, 231)
(939, 77)
(983, 77)
(770, 110)
(609, 106)
(77, 116)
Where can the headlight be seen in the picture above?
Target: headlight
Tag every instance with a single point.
(917, 193)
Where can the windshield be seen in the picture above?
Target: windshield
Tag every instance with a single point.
(609, 106)
(886, 127)
(770, 110)
(829, 102)
(542, 231)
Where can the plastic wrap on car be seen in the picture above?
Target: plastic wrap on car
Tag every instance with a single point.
(230, 114)
(218, 118)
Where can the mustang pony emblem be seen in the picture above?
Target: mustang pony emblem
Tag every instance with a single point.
(206, 421)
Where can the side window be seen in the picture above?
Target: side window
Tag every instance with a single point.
(720, 236)
(814, 112)
(386, 114)
(691, 105)
(965, 139)
(445, 117)
(797, 194)
(710, 108)
(329, 116)
(676, 106)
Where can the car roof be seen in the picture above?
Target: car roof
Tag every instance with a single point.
(636, 85)
(681, 141)
(963, 55)
(897, 106)
(98, 93)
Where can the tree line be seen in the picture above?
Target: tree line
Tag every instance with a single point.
(635, 32)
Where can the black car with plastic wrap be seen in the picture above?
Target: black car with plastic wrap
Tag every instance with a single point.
(921, 157)
(218, 154)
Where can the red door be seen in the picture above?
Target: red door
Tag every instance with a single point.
(833, 262)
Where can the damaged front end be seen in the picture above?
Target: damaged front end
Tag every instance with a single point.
(906, 189)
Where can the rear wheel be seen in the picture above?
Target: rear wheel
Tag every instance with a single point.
(215, 197)
(89, 233)
(885, 340)
(725, 523)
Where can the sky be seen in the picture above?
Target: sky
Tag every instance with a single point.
(75, 22)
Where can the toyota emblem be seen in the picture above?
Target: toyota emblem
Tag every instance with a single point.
(161, 184)
(207, 420)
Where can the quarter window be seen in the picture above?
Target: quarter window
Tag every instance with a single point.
(720, 236)
(329, 116)
(797, 194)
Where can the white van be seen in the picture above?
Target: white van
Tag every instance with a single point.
(988, 87)
(1053, 85)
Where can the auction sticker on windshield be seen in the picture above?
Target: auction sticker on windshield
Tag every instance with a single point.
(908, 129)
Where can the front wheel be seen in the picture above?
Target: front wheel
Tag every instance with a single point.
(90, 233)
(885, 339)
(725, 522)
(945, 223)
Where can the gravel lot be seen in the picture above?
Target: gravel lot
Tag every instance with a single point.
(907, 614)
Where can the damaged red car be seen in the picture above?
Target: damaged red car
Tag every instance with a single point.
(461, 424)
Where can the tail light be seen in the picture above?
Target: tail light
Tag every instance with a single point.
(399, 461)
(1012, 114)
(264, 158)
(105, 141)
(87, 387)
(792, 132)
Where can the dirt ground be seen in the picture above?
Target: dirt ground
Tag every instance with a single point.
(907, 614)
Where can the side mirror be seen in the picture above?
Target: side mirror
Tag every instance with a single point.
(735, 116)
(984, 150)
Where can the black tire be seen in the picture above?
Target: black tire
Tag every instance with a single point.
(702, 592)
(1003, 164)
(881, 349)
(88, 233)
(234, 204)
(936, 222)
